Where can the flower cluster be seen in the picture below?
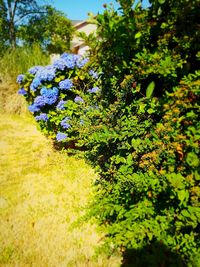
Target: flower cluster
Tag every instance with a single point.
(61, 137)
(69, 61)
(33, 108)
(20, 78)
(65, 123)
(50, 96)
(56, 92)
(21, 91)
(94, 74)
(35, 84)
(94, 90)
(65, 84)
(47, 73)
(61, 105)
(35, 69)
(42, 117)
(78, 99)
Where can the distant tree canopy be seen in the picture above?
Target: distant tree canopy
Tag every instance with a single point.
(26, 22)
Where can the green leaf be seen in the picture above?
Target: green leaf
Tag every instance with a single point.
(161, 1)
(150, 89)
(138, 35)
(129, 160)
(183, 195)
(57, 80)
(176, 180)
(197, 176)
(185, 213)
(192, 159)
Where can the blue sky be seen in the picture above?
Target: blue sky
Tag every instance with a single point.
(78, 9)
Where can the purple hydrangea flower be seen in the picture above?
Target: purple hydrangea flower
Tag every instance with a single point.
(61, 137)
(64, 123)
(20, 78)
(35, 69)
(65, 84)
(40, 101)
(78, 99)
(94, 74)
(93, 90)
(61, 104)
(42, 117)
(35, 84)
(22, 91)
(33, 108)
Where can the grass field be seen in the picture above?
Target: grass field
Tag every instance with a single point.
(42, 192)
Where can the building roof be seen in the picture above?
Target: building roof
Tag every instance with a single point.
(75, 22)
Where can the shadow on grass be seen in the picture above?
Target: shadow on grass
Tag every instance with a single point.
(154, 255)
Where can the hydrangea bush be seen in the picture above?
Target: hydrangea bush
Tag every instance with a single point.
(60, 95)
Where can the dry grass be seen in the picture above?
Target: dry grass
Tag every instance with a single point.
(10, 101)
(42, 194)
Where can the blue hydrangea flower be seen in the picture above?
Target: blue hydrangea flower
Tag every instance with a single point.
(42, 117)
(65, 84)
(94, 74)
(22, 91)
(20, 78)
(35, 84)
(47, 73)
(50, 96)
(81, 63)
(93, 90)
(61, 104)
(40, 101)
(61, 137)
(64, 123)
(60, 64)
(55, 90)
(78, 99)
(33, 108)
(44, 91)
(64, 55)
(35, 69)
(70, 60)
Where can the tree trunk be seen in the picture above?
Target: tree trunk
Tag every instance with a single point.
(11, 12)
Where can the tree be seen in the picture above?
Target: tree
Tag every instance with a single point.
(3, 25)
(51, 29)
(16, 11)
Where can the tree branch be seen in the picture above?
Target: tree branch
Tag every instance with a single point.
(29, 13)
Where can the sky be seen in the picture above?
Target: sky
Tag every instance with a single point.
(78, 9)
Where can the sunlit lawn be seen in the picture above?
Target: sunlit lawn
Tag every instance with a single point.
(42, 193)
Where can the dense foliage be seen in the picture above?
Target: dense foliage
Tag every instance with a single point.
(49, 28)
(141, 131)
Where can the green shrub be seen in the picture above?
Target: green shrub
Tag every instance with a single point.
(144, 142)
(148, 188)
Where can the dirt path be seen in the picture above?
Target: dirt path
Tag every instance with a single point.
(41, 194)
